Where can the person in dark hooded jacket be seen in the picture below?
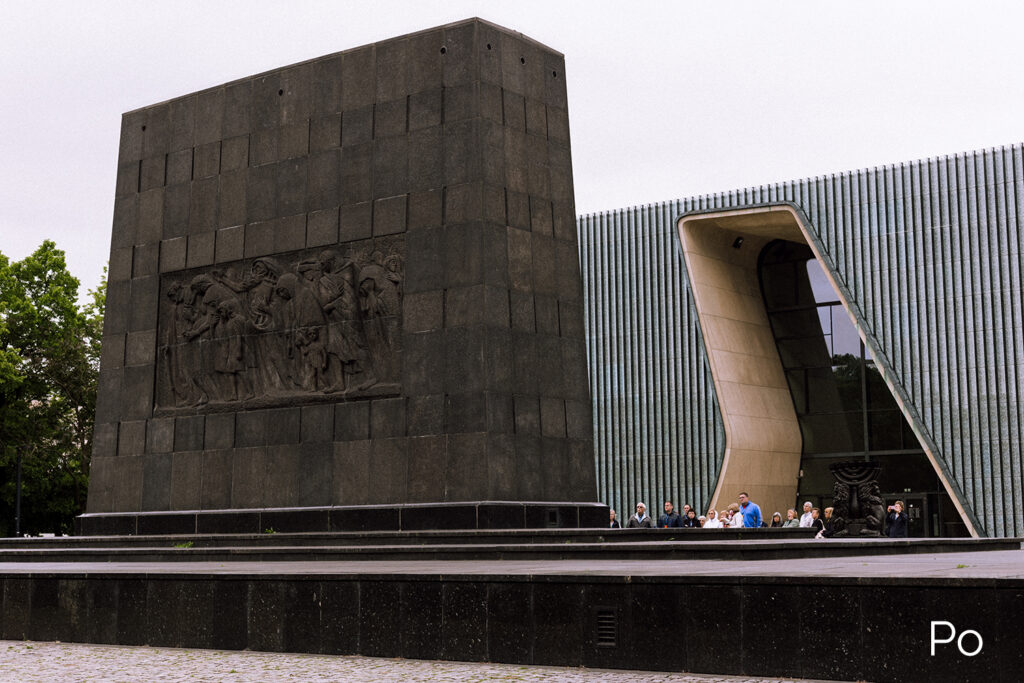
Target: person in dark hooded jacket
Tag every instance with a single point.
(670, 519)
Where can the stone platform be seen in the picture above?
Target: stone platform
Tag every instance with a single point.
(479, 546)
(726, 607)
(341, 518)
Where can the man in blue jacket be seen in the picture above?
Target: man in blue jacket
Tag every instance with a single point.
(671, 518)
(750, 511)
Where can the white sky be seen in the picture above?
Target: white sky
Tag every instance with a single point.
(666, 99)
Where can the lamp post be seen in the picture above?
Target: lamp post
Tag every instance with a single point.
(17, 499)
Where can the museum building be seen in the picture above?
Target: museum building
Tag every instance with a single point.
(746, 340)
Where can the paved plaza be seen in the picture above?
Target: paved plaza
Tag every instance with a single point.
(70, 662)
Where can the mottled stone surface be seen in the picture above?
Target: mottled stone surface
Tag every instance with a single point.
(45, 662)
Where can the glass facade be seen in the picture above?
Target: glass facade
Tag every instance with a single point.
(844, 408)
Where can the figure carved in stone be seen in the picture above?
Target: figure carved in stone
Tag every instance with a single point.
(176, 357)
(319, 322)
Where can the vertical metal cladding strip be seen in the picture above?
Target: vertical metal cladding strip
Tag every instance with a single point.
(670, 333)
(665, 357)
(986, 301)
(600, 333)
(1012, 335)
(976, 349)
(966, 333)
(1008, 391)
(958, 366)
(1015, 337)
(635, 288)
(1003, 353)
(648, 332)
(997, 373)
(629, 358)
(887, 244)
(630, 291)
(679, 323)
(848, 259)
(918, 302)
(873, 239)
(992, 355)
(862, 269)
(976, 344)
(616, 299)
(604, 340)
(611, 336)
(899, 350)
(930, 342)
(942, 301)
(593, 322)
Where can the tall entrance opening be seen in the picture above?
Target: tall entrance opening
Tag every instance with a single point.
(843, 406)
(797, 387)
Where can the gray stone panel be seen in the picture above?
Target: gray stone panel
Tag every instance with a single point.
(219, 432)
(160, 435)
(350, 483)
(317, 424)
(215, 490)
(131, 438)
(186, 480)
(248, 477)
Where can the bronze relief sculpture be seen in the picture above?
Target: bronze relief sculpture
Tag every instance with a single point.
(316, 323)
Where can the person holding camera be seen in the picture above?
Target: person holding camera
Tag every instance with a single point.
(896, 521)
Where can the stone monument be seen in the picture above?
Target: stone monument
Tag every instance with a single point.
(857, 504)
(345, 295)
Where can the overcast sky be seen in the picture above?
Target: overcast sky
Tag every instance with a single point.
(666, 99)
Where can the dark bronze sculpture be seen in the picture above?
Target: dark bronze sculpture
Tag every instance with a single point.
(857, 504)
(317, 322)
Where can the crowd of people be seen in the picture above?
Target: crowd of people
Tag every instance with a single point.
(747, 514)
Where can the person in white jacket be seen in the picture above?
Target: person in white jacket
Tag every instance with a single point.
(807, 519)
(712, 521)
(736, 521)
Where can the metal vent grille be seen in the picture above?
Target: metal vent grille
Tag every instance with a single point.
(607, 626)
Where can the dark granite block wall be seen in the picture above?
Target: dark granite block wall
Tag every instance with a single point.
(820, 628)
(455, 140)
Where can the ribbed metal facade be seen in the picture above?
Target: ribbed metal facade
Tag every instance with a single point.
(929, 256)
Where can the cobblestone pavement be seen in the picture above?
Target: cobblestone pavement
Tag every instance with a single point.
(69, 662)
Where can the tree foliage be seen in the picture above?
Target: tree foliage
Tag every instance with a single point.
(49, 361)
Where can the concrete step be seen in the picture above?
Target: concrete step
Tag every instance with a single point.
(460, 537)
(198, 549)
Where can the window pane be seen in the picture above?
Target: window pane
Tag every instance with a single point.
(885, 429)
(845, 339)
(847, 371)
(779, 285)
(820, 285)
(800, 323)
(879, 397)
(803, 353)
(833, 433)
(825, 318)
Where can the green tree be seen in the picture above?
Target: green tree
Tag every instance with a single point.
(49, 361)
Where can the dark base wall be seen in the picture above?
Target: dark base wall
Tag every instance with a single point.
(427, 516)
(834, 629)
